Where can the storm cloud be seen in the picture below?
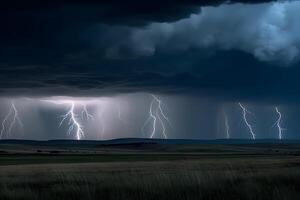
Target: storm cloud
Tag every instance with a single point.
(195, 59)
(230, 50)
(269, 31)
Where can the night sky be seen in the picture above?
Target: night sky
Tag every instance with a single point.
(162, 69)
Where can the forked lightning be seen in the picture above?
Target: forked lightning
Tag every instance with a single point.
(72, 117)
(10, 120)
(278, 123)
(226, 124)
(245, 111)
(157, 116)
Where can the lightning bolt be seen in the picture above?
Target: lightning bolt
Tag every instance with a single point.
(101, 122)
(72, 117)
(226, 124)
(14, 116)
(157, 115)
(4, 122)
(245, 111)
(278, 122)
(151, 117)
(120, 115)
(73, 122)
(86, 114)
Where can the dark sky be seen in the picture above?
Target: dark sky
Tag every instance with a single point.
(224, 51)
(237, 50)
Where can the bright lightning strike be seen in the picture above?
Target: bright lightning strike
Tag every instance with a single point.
(72, 117)
(12, 115)
(73, 123)
(151, 117)
(245, 111)
(157, 115)
(278, 122)
(226, 124)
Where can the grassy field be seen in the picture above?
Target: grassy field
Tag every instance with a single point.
(160, 172)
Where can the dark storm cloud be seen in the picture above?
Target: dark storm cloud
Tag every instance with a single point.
(221, 75)
(66, 48)
(47, 24)
(272, 34)
(128, 12)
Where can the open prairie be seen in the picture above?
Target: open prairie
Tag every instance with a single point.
(153, 169)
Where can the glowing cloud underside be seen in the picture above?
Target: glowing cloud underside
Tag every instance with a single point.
(245, 111)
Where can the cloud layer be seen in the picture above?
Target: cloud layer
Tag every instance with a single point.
(92, 48)
(270, 31)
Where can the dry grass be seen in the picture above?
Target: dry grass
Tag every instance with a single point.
(258, 178)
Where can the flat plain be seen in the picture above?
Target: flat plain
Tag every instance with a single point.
(149, 169)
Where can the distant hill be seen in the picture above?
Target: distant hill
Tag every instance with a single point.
(148, 141)
(151, 146)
